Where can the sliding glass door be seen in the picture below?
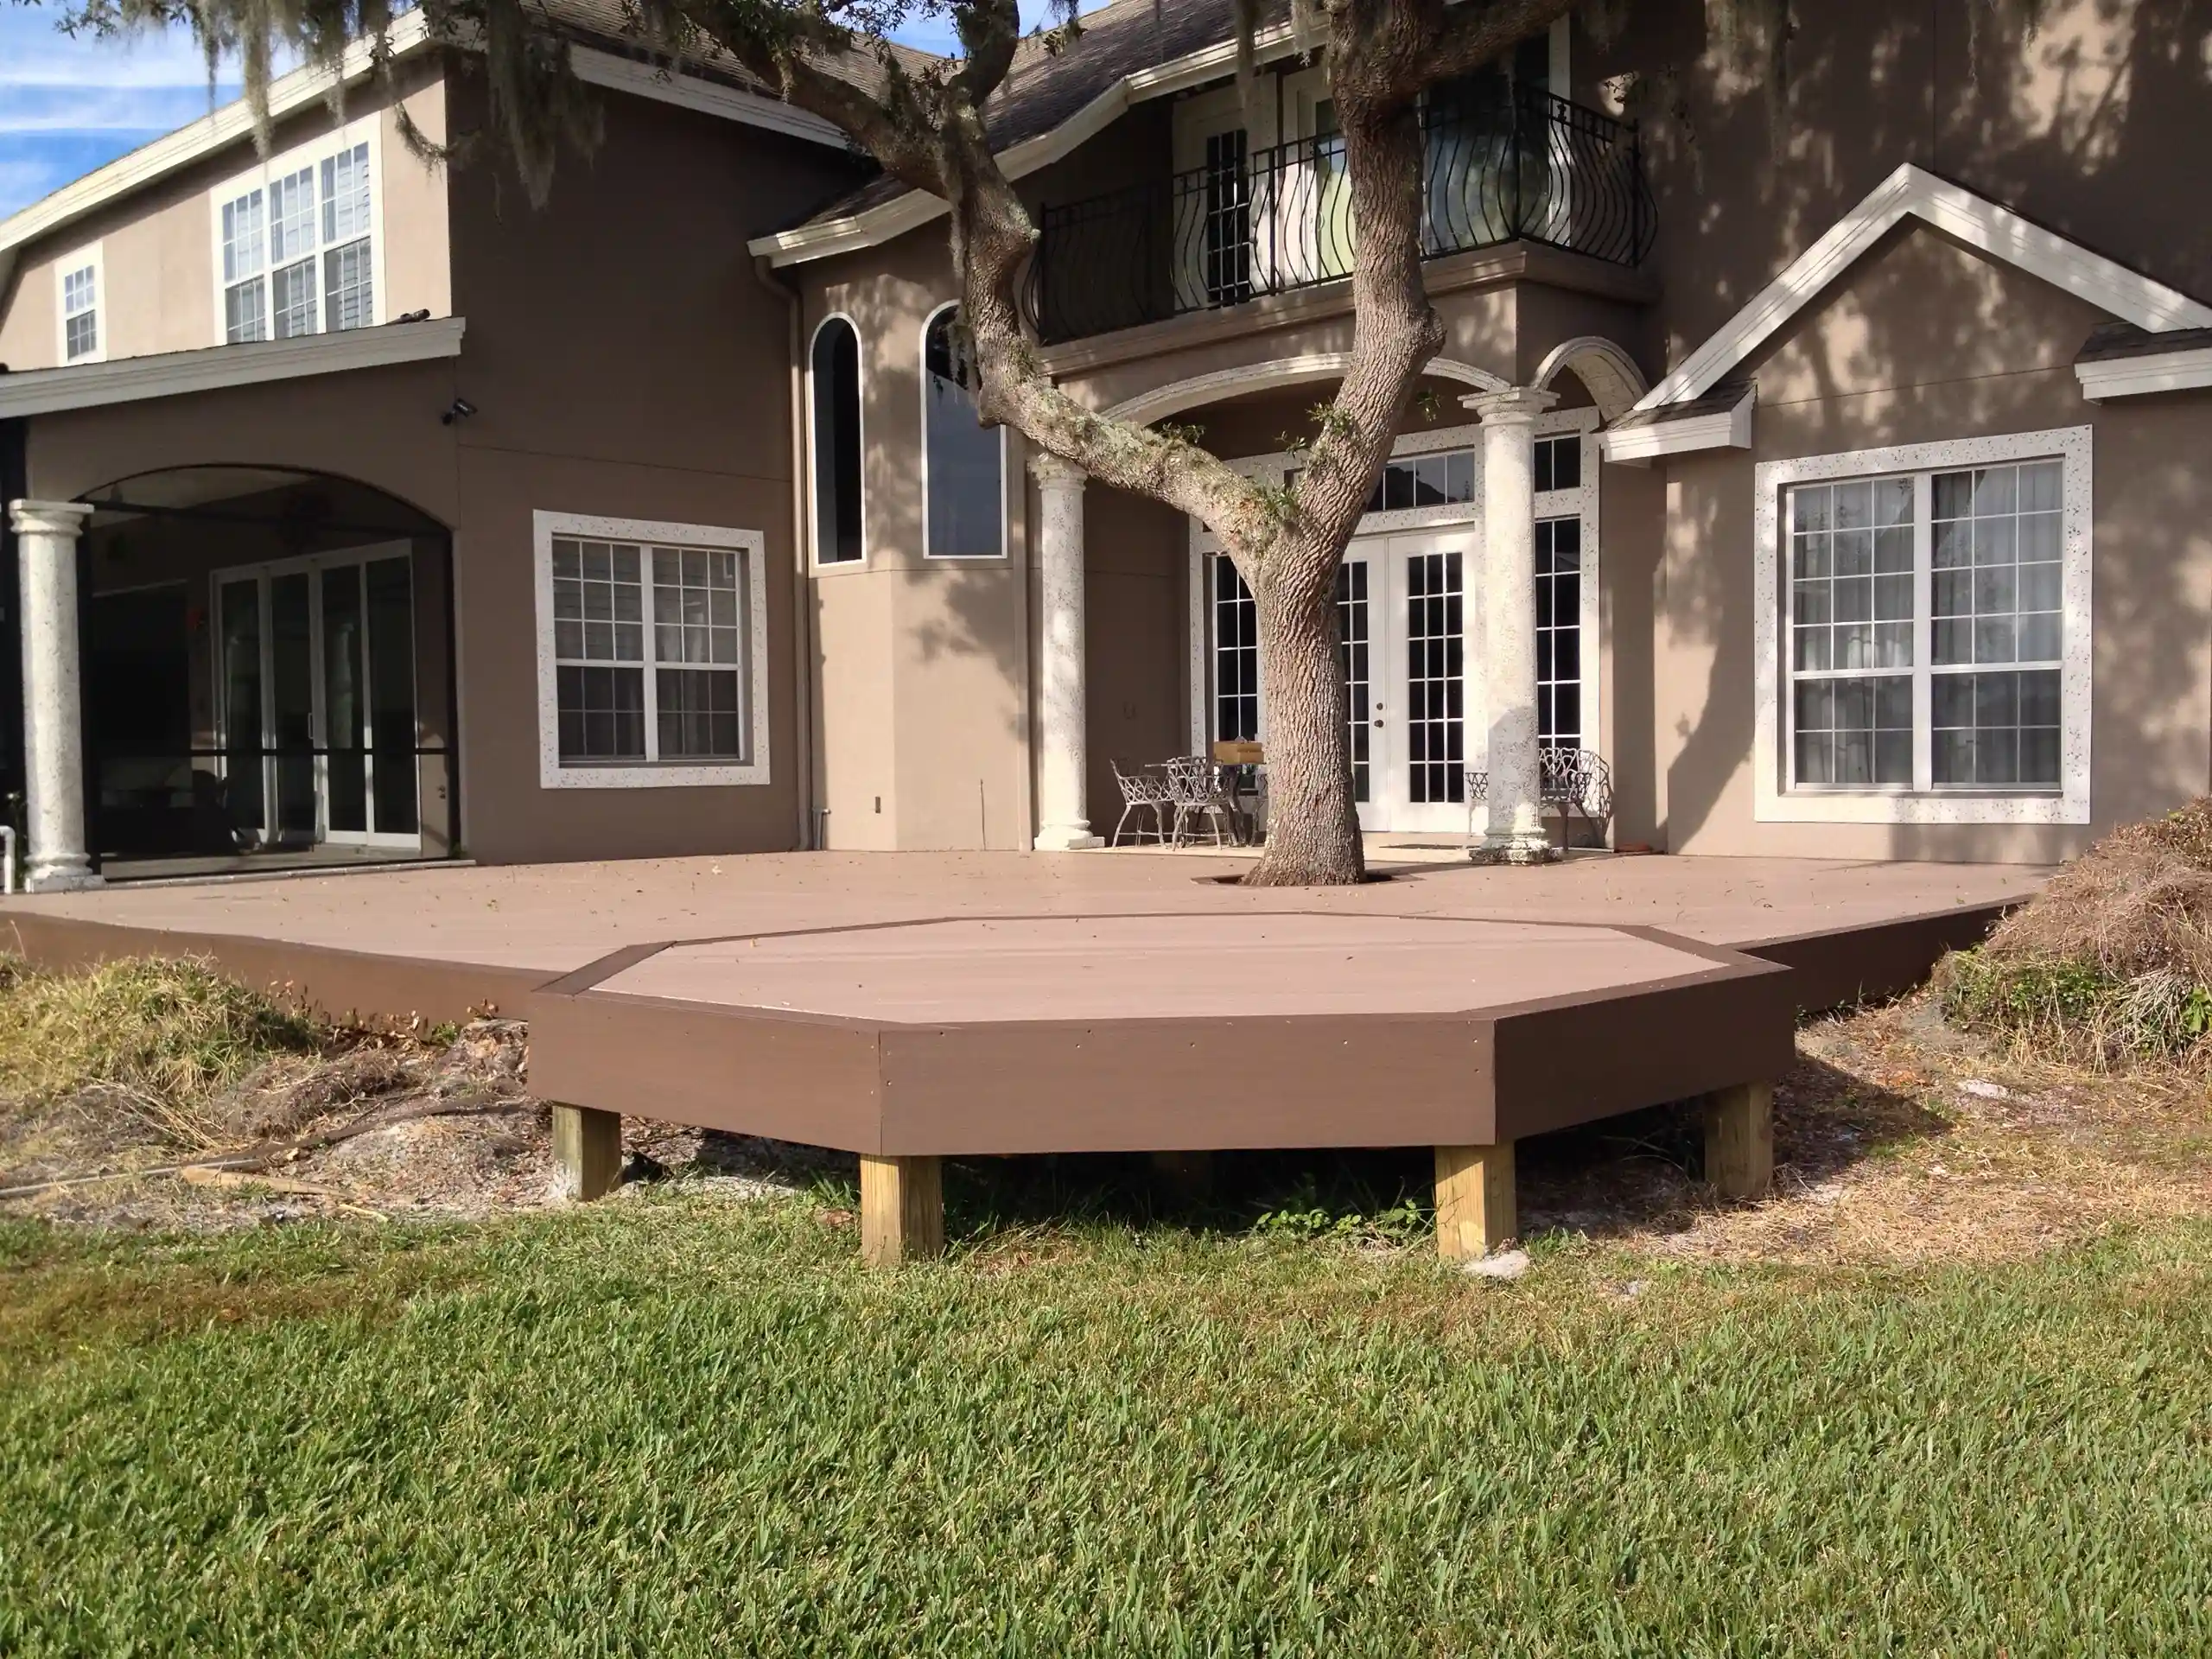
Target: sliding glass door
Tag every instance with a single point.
(315, 672)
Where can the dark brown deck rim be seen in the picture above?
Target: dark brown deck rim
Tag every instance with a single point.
(340, 982)
(888, 1086)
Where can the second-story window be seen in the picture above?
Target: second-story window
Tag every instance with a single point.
(298, 250)
(836, 392)
(80, 312)
(963, 477)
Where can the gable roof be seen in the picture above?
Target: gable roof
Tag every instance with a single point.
(1913, 191)
(619, 62)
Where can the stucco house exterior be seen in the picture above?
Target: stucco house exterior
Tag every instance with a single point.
(1848, 472)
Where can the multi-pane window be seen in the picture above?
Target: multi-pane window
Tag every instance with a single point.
(80, 313)
(1925, 629)
(1227, 242)
(1236, 655)
(1353, 651)
(1559, 632)
(628, 691)
(1439, 481)
(298, 251)
(1558, 463)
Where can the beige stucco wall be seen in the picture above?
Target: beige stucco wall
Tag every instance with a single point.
(924, 666)
(1926, 341)
(159, 246)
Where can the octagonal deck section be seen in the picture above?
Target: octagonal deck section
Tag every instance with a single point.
(913, 1003)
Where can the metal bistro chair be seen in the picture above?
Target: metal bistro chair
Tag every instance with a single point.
(1198, 790)
(1573, 780)
(1142, 792)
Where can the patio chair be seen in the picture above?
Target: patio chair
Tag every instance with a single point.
(1199, 790)
(1576, 781)
(1141, 791)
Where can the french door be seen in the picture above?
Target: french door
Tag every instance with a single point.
(314, 671)
(1406, 614)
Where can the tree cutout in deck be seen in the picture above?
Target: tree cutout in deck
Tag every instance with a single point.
(927, 128)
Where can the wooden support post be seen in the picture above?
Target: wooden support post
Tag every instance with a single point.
(1474, 1200)
(902, 1209)
(1739, 1139)
(586, 1151)
(1188, 1176)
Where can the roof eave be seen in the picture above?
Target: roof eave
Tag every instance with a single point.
(872, 226)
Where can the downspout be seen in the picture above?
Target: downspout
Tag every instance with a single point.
(804, 724)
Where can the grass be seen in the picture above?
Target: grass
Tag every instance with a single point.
(677, 1426)
(159, 1038)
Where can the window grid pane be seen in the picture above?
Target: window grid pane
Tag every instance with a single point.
(603, 650)
(1236, 655)
(1352, 650)
(1994, 583)
(1446, 480)
(1435, 679)
(291, 216)
(292, 299)
(1559, 632)
(81, 335)
(348, 288)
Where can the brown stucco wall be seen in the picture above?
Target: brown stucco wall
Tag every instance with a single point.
(2084, 115)
(1926, 341)
(625, 361)
(158, 246)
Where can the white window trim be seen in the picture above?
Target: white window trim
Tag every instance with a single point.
(2071, 446)
(551, 774)
(813, 481)
(1269, 469)
(922, 393)
(368, 130)
(95, 257)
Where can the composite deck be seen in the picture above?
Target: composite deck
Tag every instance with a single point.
(911, 1005)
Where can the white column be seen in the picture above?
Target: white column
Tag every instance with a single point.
(1515, 833)
(1063, 822)
(53, 738)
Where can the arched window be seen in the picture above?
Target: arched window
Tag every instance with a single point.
(836, 377)
(963, 464)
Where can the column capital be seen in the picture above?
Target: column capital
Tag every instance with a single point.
(1052, 472)
(48, 518)
(1514, 404)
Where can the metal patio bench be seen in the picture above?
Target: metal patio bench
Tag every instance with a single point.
(1576, 781)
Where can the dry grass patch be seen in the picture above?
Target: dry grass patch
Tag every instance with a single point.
(2111, 963)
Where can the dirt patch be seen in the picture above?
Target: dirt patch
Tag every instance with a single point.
(1897, 1139)
(391, 1125)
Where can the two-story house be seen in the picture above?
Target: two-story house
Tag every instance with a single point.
(1864, 441)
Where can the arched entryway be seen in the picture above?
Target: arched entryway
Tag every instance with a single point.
(267, 673)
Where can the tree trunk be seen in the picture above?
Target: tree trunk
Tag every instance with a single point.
(1312, 824)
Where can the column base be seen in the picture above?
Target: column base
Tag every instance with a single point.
(1532, 848)
(61, 877)
(1067, 838)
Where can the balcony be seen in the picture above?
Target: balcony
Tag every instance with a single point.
(1517, 166)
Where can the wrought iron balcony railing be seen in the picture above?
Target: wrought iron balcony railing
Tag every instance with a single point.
(1514, 165)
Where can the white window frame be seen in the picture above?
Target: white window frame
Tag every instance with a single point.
(922, 393)
(1581, 502)
(2071, 446)
(368, 130)
(813, 480)
(748, 544)
(91, 258)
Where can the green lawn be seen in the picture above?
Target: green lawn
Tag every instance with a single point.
(671, 1426)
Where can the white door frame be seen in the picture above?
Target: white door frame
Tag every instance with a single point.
(1581, 502)
(313, 566)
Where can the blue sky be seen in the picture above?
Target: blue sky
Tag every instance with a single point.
(68, 106)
